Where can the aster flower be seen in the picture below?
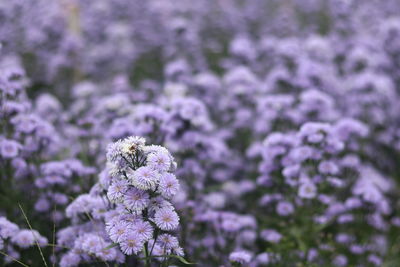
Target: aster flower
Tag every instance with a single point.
(132, 144)
(28, 238)
(145, 178)
(117, 189)
(92, 243)
(307, 190)
(166, 219)
(284, 208)
(160, 161)
(169, 185)
(143, 229)
(9, 148)
(70, 259)
(132, 243)
(242, 257)
(118, 230)
(168, 241)
(7, 228)
(136, 199)
(271, 235)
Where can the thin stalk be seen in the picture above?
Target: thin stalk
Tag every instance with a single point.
(146, 253)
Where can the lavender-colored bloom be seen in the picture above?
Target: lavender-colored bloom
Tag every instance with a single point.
(143, 229)
(160, 161)
(284, 208)
(168, 241)
(118, 231)
(92, 243)
(328, 167)
(9, 148)
(240, 257)
(307, 190)
(132, 243)
(70, 259)
(166, 219)
(28, 238)
(117, 189)
(42, 205)
(271, 235)
(169, 185)
(340, 260)
(7, 228)
(136, 199)
(145, 178)
(376, 260)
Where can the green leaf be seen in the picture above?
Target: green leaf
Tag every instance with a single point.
(183, 260)
(111, 246)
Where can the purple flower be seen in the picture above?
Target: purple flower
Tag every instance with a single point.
(28, 238)
(7, 228)
(340, 260)
(70, 259)
(143, 229)
(328, 167)
(117, 189)
(132, 243)
(145, 178)
(9, 148)
(166, 219)
(119, 230)
(160, 161)
(168, 241)
(307, 190)
(136, 199)
(271, 235)
(284, 208)
(241, 257)
(169, 185)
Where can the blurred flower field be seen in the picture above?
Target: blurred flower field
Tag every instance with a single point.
(200, 133)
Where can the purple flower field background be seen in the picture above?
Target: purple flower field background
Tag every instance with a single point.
(215, 133)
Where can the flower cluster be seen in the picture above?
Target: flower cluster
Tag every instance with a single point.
(11, 236)
(317, 168)
(141, 185)
(282, 118)
(129, 207)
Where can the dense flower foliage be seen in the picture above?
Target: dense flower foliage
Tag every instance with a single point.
(220, 133)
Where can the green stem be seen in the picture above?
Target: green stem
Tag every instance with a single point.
(146, 253)
(155, 240)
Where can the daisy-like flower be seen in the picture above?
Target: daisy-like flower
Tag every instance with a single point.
(114, 152)
(136, 199)
(160, 161)
(284, 208)
(119, 230)
(241, 257)
(271, 235)
(27, 238)
(93, 243)
(307, 190)
(169, 185)
(107, 254)
(132, 144)
(166, 219)
(168, 241)
(143, 228)
(117, 189)
(9, 148)
(7, 228)
(132, 243)
(145, 178)
(70, 259)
